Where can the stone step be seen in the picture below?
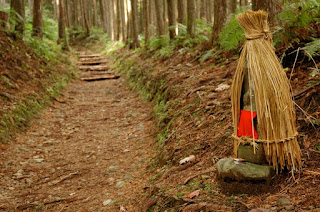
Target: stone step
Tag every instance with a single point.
(94, 68)
(89, 56)
(91, 62)
(100, 77)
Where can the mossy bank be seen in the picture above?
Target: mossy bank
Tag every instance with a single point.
(28, 82)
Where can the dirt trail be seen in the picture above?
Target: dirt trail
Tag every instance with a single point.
(87, 152)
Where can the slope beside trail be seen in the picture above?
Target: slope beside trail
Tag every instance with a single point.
(87, 151)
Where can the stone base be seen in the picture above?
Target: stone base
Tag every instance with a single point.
(243, 171)
(246, 151)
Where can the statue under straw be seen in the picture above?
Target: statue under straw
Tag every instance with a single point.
(266, 113)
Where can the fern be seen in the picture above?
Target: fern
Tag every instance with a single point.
(295, 19)
(209, 54)
(232, 35)
(313, 48)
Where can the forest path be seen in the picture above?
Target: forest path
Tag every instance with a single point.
(87, 152)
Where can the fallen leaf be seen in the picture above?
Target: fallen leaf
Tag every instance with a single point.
(193, 194)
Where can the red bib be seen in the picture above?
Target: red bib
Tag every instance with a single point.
(246, 127)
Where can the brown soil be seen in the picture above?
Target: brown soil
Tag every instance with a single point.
(90, 146)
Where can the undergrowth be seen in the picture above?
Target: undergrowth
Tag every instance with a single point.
(16, 119)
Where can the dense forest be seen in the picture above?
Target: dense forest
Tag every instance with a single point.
(133, 105)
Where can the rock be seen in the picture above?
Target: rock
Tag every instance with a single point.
(274, 208)
(246, 151)
(107, 202)
(284, 202)
(127, 176)
(187, 159)
(289, 207)
(19, 173)
(241, 171)
(39, 160)
(222, 87)
(110, 180)
(120, 184)
(112, 168)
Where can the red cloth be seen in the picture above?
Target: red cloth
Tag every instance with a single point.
(246, 124)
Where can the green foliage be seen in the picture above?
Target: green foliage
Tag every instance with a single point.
(313, 48)
(232, 35)
(163, 46)
(212, 53)
(28, 107)
(47, 47)
(295, 22)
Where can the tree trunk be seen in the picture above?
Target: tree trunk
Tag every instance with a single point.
(129, 23)
(102, 15)
(172, 18)
(231, 8)
(62, 26)
(123, 20)
(30, 4)
(191, 18)
(181, 13)
(117, 16)
(37, 19)
(95, 14)
(146, 19)
(84, 15)
(160, 24)
(18, 17)
(203, 9)
(219, 19)
(209, 11)
(165, 15)
(134, 16)
(110, 19)
(273, 7)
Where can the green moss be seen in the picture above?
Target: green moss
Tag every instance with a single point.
(16, 119)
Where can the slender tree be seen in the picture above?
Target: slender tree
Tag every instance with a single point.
(134, 16)
(146, 19)
(37, 19)
(159, 14)
(95, 13)
(62, 26)
(203, 4)
(209, 11)
(102, 16)
(123, 20)
(271, 6)
(181, 13)
(191, 18)
(220, 8)
(172, 18)
(17, 16)
(85, 16)
(117, 17)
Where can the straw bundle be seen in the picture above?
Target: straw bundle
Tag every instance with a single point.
(273, 102)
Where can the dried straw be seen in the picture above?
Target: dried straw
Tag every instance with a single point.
(275, 110)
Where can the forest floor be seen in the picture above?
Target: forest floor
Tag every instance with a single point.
(87, 152)
(95, 147)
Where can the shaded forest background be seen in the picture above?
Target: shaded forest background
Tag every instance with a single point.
(162, 24)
